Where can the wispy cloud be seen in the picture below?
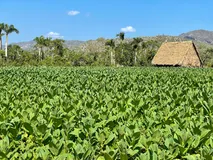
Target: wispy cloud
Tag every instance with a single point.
(54, 35)
(73, 13)
(128, 29)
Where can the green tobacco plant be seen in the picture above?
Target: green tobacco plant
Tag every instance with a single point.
(106, 113)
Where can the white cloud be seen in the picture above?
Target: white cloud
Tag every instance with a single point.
(73, 13)
(54, 35)
(128, 29)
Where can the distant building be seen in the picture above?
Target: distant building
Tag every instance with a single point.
(177, 54)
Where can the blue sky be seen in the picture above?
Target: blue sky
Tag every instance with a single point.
(90, 19)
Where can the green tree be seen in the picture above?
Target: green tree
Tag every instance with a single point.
(47, 47)
(111, 44)
(26, 58)
(14, 52)
(207, 58)
(8, 29)
(121, 36)
(125, 58)
(39, 45)
(1, 34)
(41, 42)
(135, 46)
(1, 54)
(58, 46)
(147, 52)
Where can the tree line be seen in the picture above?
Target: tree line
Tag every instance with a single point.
(115, 52)
(48, 51)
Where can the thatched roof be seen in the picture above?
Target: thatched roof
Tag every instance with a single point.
(177, 54)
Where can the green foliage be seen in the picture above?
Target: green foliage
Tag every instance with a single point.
(14, 52)
(102, 52)
(1, 34)
(8, 29)
(208, 57)
(1, 53)
(121, 36)
(57, 45)
(41, 43)
(106, 113)
(124, 54)
(110, 43)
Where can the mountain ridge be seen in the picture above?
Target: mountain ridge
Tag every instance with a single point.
(29, 45)
(200, 35)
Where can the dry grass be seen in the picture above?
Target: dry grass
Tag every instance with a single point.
(177, 54)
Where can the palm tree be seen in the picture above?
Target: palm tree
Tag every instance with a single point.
(1, 34)
(8, 29)
(135, 45)
(111, 44)
(121, 36)
(47, 45)
(41, 42)
(58, 45)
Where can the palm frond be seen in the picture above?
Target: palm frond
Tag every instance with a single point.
(9, 29)
(2, 34)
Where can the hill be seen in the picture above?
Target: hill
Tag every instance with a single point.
(71, 44)
(199, 35)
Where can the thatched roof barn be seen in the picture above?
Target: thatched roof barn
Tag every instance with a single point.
(177, 54)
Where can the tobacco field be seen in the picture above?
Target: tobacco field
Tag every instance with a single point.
(106, 113)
